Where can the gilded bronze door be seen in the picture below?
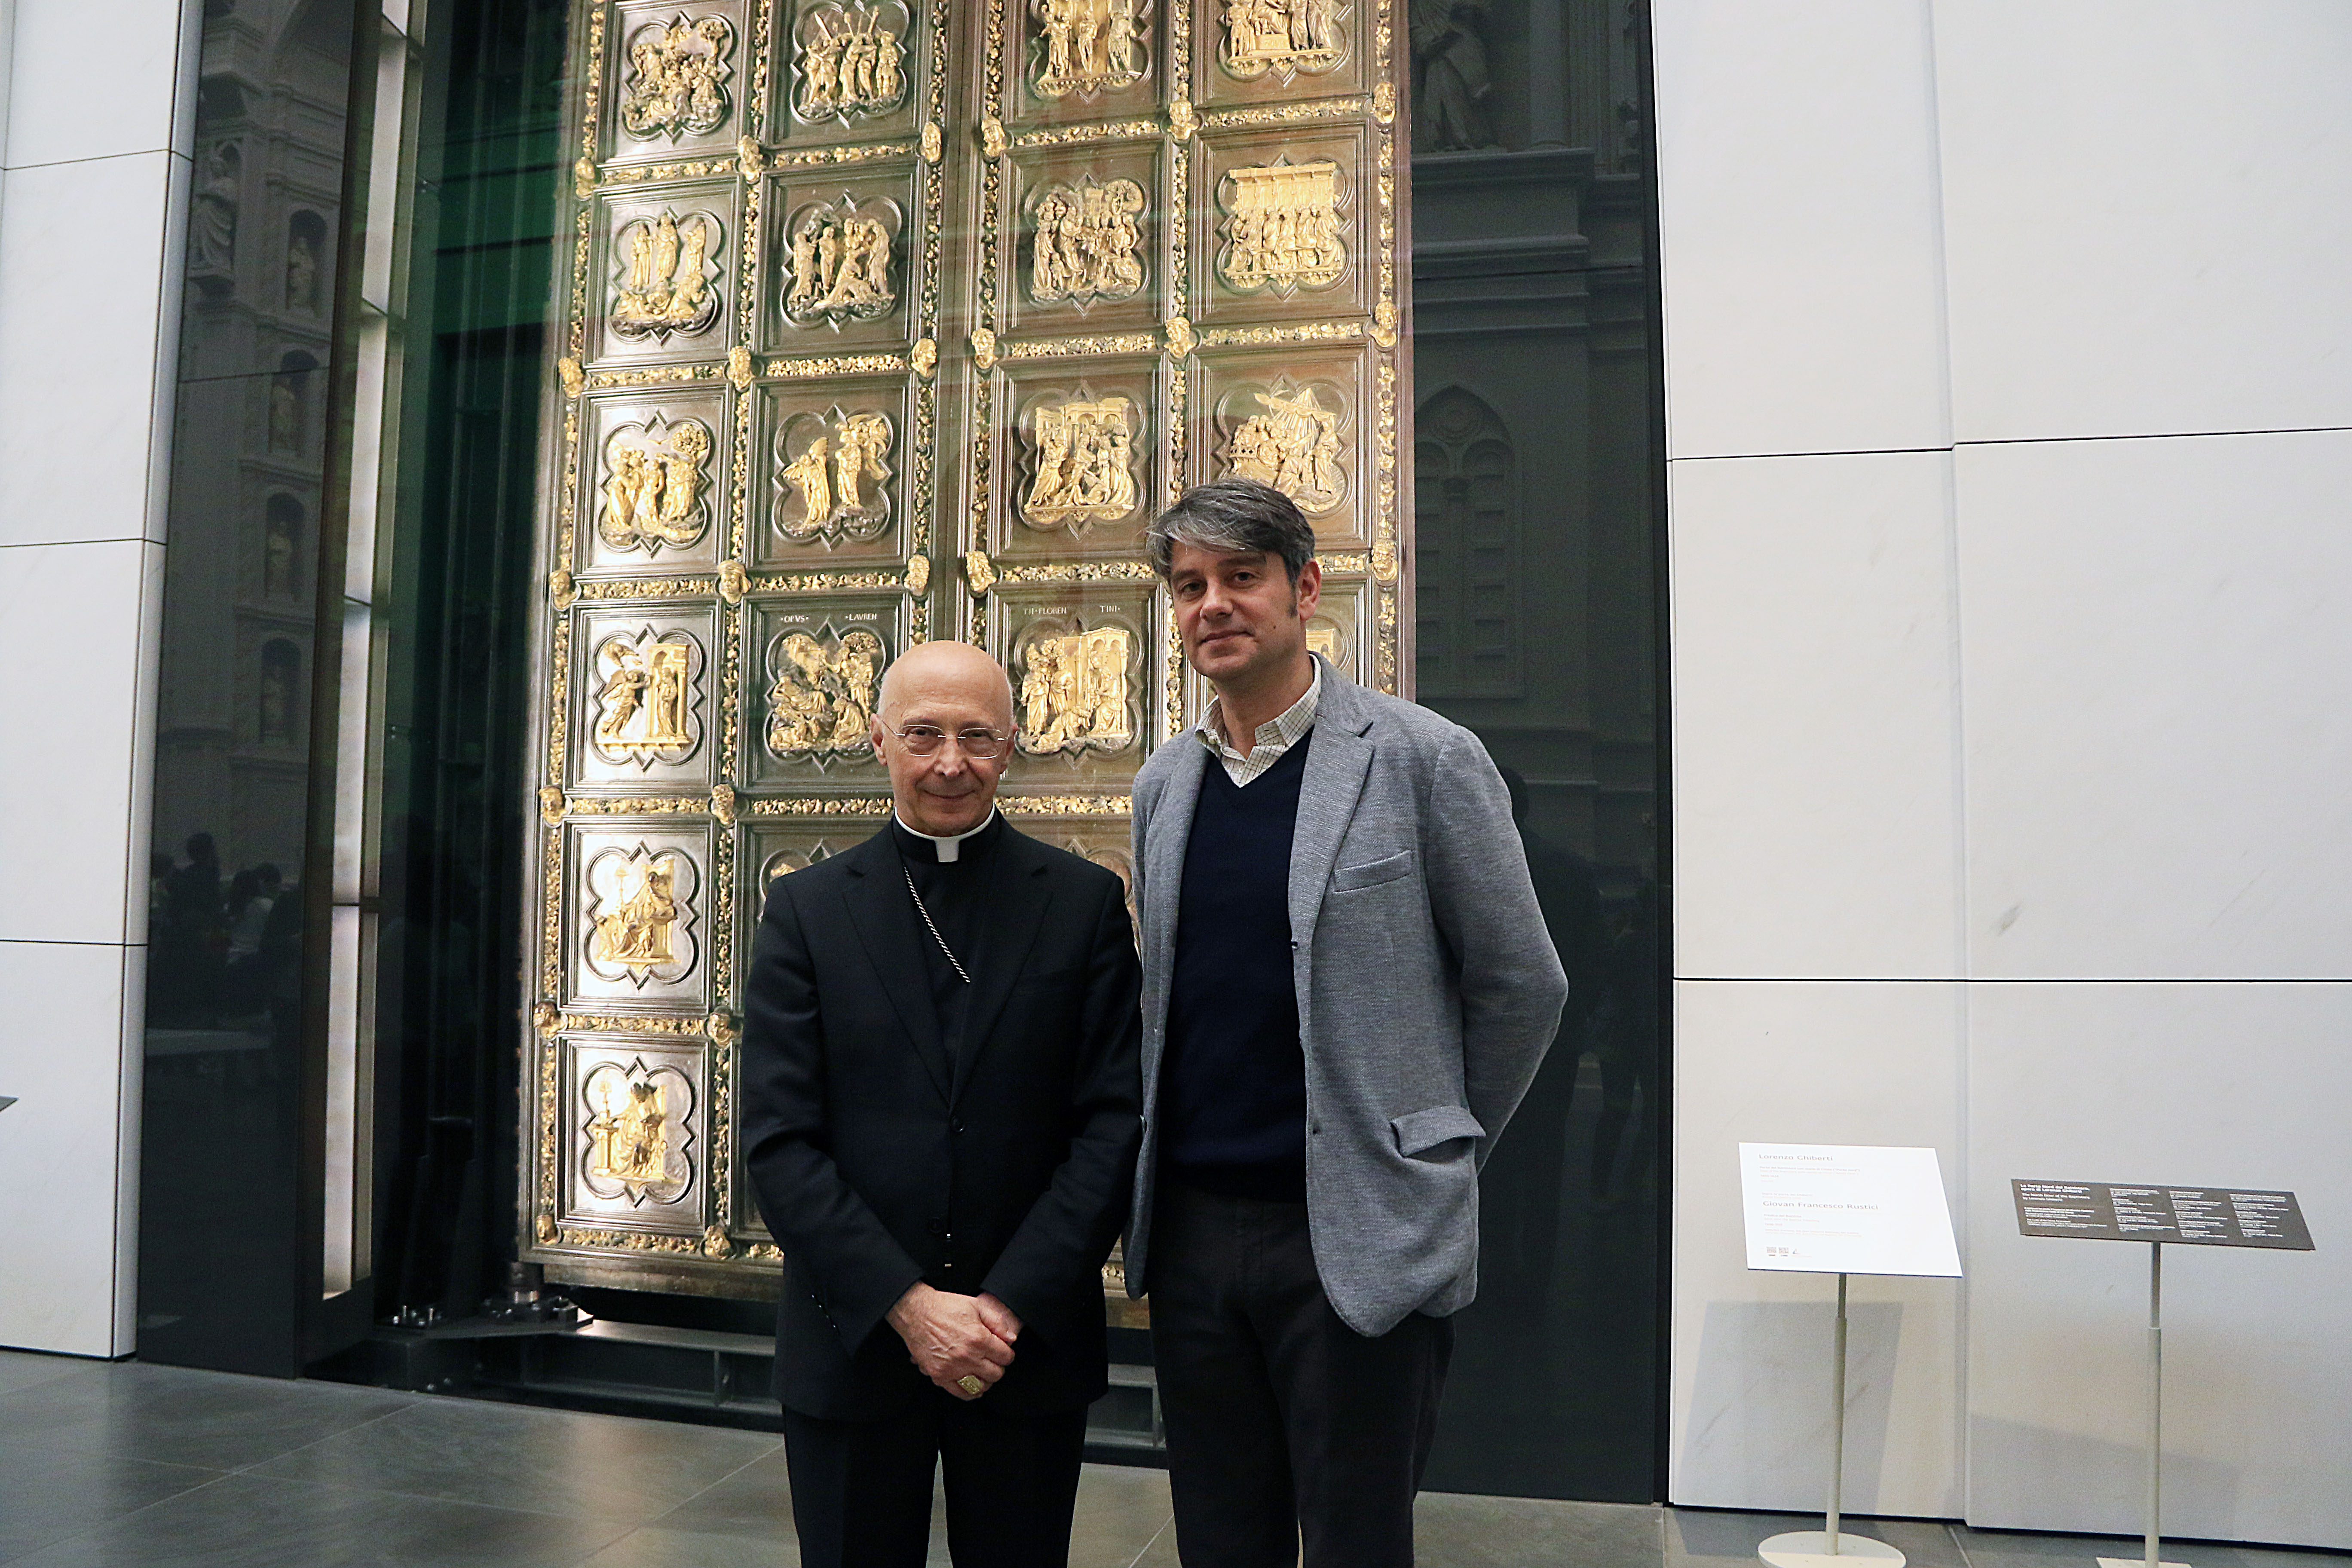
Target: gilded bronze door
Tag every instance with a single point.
(887, 320)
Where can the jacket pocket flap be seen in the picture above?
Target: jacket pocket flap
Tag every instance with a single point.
(1426, 1129)
(1372, 873)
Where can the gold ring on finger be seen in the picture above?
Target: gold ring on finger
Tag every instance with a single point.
(972, 1385)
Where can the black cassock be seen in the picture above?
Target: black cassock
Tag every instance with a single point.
(901, 1124)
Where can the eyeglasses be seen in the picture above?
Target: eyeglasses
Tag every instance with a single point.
(925, 740)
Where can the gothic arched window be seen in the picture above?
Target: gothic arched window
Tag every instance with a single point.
(1467, 534)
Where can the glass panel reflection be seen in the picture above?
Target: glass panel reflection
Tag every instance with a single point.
(1535, 467)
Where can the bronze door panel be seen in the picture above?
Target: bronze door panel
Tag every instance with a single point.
(888, 320)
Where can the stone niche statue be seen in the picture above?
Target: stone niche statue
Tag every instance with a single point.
(211, 225)
(1451, 80)
(305, 235)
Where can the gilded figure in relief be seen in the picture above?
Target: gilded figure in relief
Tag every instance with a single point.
(645, 700)
(1282, 227)
(636, 928)
(1293, 445)
(626, 1138)
(1074, 690)
(839, 475)
(1083, 471)
(657, 491)
(1292, 37)
(636, 1132)
(678, 75)
(667, 287)
(1089, 46)
(840, 266)
(1088, 243)
(821, 703)
(852, 63)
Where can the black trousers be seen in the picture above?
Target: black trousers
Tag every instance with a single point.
(1285, 1428)
(862, 1489)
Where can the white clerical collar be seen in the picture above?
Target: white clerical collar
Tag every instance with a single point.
(951, 848)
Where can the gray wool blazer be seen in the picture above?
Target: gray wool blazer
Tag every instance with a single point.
(1428, 991)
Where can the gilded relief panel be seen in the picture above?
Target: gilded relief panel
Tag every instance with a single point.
(845, 263)
(1083, 657)
(814, 671)
(1086, 243)
(642, 683)
(660, 274)
(771, 848)
(835, 475)
(639, 935)
(1297, 422)
(678, 83)
(1280, 51)
(1281, 233)
(848, 71)
(636, 1150)
(1077, 60)
(879, 327)
(1081, 443)
(654, 493)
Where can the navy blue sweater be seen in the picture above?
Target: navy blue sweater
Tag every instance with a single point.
(1233, 1088)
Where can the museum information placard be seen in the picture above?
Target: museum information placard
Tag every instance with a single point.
(1832, 1208)
(2199, 1216)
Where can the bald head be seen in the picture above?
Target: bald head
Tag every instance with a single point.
(947, 675)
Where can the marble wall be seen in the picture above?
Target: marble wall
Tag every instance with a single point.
(94, 179)
(2008, 433)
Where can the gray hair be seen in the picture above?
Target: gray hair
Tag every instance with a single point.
(1229, 517)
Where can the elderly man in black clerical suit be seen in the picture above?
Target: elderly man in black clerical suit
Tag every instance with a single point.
(941, 1112)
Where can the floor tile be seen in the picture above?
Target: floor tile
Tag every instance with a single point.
(507, 1456)
(47, 1494)
(1161, 1553)
(1700, 1536)
(1453, 1530)
(656, 1546)
(1119, 1510)
(247, 1521)
(23, 1369)
(755, 1502)
(2023, 1549)
(172, 1415)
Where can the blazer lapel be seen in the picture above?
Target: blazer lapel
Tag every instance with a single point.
(883, 918)
(1015, 900)
(1338, 760)
(1170, 830)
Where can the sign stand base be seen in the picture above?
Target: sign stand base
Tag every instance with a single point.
(1811, 1549)
(1830, 1547)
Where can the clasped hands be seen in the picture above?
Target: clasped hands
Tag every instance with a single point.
(951, 1337)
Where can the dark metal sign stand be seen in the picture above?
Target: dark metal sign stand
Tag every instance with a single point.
(2200, 1217)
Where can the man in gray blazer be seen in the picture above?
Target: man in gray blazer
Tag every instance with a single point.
(1346, 988)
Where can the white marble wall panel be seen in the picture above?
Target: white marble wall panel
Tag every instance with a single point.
(1816, 780)
(2157, 642)
(67, 797)
(2148, 203)
(84, 369)
(109, 84)
(98, 106)
(1809, 1062)
(67, 1228)
(2202, 1085)
(1799, 226)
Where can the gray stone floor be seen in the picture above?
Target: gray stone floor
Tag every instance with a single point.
(106, 1465)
